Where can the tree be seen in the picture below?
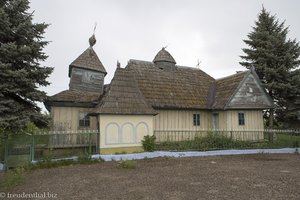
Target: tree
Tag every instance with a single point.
(291, 116)
(274, 58)
(21, 45)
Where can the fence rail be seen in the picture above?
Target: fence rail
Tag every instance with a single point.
(56, 144)
(23, 148)
(225, 139)
(244, 135)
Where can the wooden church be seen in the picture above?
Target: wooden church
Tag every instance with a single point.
(150, 96)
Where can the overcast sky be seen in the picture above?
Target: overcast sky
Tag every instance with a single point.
(211, 31)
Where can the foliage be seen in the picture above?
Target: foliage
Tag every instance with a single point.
(84, 157)
(291, 116)
(127, 164)
(31, 128)
(210, 142)
(2, 144)
(283, 140)
(149, 143)
(12, 178)
(50, 163)
(218, 141)
(275, 59)
(44, 121)
(21, 45)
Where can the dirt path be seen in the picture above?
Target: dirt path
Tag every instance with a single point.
(260, 176)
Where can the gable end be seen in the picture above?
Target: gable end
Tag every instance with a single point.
(250, 95)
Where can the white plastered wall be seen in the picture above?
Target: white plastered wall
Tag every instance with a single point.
(124, 130)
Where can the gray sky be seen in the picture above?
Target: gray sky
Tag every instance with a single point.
(211, 31)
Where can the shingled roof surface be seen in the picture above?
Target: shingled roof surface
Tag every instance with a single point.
(225, 88)
(75, 96)
(88, 60)
(181, 88)
(143, 86)
(124, 96)
(164, 56)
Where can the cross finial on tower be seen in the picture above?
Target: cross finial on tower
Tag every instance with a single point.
(198, 63)
(118, 64)
(92, 39)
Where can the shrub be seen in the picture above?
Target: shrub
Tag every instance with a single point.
(149, 143)
(84, 157)
(210, 142)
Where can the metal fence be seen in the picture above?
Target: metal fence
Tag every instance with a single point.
(23, 148)
(226, 139)
(20, 149)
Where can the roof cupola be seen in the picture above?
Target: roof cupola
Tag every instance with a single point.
(164, 60)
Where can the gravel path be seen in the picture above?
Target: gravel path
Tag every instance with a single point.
(261, 176)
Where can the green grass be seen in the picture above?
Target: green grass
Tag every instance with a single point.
(127, 164)
(283, 141)
(48, 163)
(12, 178)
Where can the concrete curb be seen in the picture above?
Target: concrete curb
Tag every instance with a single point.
(138, 156)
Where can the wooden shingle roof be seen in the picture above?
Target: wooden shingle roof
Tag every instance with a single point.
(182, 88)
(225, 88)
(164, 56)
(143, 86)
(88, 60)
(124, 96)
(75, 96)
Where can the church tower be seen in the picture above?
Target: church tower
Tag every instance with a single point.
(87, 72)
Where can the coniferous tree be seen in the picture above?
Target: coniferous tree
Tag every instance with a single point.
(274, 58)
(21, 45)
(291, 116)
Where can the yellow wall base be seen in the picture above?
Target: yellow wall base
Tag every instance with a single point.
(121, 150)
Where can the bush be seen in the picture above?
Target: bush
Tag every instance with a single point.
(149, 143)
(209, 142)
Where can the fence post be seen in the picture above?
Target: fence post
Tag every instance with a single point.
(97, 141)
(269, 132)
(5, 153)
(32, 147)
(90, 146)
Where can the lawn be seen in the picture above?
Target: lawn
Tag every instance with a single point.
(262, 176)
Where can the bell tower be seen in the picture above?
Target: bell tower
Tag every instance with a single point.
(87, 72)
